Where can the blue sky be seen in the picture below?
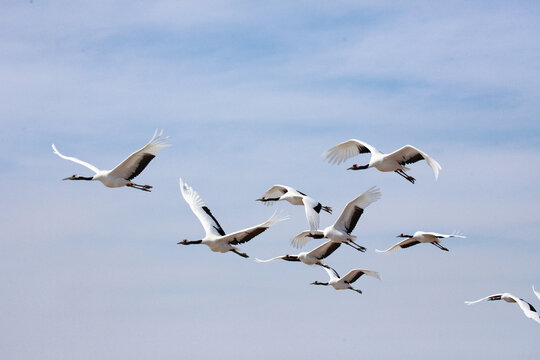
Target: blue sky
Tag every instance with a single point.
(251, 95)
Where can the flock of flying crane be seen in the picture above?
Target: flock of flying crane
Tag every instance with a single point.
(338, 233)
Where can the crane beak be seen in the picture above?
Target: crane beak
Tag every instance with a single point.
(68, 178)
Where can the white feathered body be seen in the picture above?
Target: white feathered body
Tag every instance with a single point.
(384, 163)
(110, 181)
(336, 235)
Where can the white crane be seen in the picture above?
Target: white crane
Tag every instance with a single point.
(312, 257)
(215, 238)
(127, 170)
(536, 293)
(340, 231)
(421, 237)
(344, 283)
(295, 197)
(395, 161)
(527, 308)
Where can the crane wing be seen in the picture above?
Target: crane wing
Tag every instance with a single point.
(270, 260)
(347, 149)
(528, 309)
(80, 162)
(135, 163)
(333, 274)
(443, 236)
(354, 209)
(209, 222)
(312, 208)
(536, 293)
(304, 237)
(402, 244)
(273, 194)
(482, 299)
(409, 154)
(324, 250)
(242, 236)
(355, 274)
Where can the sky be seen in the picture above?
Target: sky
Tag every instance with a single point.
(251, 94)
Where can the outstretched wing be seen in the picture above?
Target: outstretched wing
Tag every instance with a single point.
(402, 244)
(312, 208)
(482, 299)
(273, 194)
(333, 274)
(443, 236)
(347, 149)
(242, 236)
(355, 274)
(536, 293)
(304, 237)
(354, 209)
(210, 224)
(324, 250)
(527, 308)
(409, 154)
(80, 162)
(270, 260)
(135, 163)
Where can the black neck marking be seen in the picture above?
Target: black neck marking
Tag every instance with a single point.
(191, 242)
(356, 167)
(291, 258)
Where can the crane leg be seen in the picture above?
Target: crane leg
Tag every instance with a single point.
(360, 247)
(139, 187)
(357, 247)
(440, 246)
(408, 177)
(244, 255)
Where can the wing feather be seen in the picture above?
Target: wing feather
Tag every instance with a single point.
(270, 260)
(482, 299)
(209, 222)
(325, 250)
(304, 237)
(80, 162)
(355, 274)
(347, 149)
(536, 293)
(242, 236)
(312, 216)
(402, 244)
(409, 154)
(135, 163)
(354, 209)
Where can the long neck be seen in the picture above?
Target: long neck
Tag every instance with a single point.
(404, 236)
(356, 167)
(83, 178)
(192, 242)
(320, 283)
